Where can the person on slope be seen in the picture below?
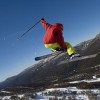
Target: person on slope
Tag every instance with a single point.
(53, 39)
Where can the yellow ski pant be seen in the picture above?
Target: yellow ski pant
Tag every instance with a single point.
(70, 49)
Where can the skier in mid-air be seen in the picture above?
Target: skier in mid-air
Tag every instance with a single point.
(53, 39)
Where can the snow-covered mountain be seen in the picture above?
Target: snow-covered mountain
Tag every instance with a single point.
(46, 73)
(65, 93)
(86, 46)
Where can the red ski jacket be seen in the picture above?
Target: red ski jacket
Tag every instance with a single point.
(53, 34)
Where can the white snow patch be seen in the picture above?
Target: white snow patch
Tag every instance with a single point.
(88, 81)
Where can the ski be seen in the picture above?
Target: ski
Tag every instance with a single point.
(77, 59)
(48, 55)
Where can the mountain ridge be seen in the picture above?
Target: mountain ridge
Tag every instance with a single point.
(41, 73)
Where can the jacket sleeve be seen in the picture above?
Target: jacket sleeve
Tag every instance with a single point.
(45, 24)
(61, 40)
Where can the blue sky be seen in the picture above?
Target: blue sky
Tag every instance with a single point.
(81, 20)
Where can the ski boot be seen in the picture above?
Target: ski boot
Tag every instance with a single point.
(76, 55)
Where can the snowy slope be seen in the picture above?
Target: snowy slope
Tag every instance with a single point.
(47, 71)
(88, 81)
(67, 93)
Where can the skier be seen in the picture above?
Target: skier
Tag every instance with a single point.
(53, 39)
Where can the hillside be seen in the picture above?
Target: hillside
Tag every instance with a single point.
(46, 73)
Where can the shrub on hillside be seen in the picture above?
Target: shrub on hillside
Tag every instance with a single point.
(85, 85)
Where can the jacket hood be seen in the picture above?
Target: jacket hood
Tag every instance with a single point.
(58, 25)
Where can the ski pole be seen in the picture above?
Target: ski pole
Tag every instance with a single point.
(29, 29)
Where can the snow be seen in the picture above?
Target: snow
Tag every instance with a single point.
(72, 92)
(68, 92)
(21, 95)
(88, 81)
(6, 98)
(5, 91)
(40, 97)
